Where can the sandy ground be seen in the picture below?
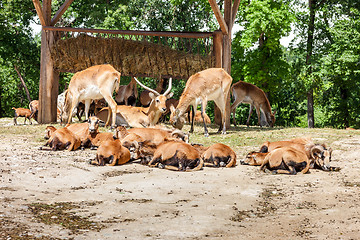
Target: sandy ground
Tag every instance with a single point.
(59, 195)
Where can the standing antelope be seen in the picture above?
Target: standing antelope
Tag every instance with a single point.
(95, 82)
(141, 117)
(210, 84)
(127, 94)
(244, 92)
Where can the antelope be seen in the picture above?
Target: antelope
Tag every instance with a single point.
(177, 156)
(22, 112)
(127, 94)
(145, 98)
(244, 92)
(318, 154)
(34, 107)
(140, 117)
(286, 160)
(210, 84)
(95, 82)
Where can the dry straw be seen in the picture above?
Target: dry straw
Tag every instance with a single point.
(130, 57)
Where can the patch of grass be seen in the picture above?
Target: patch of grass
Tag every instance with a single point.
(264, 208)
(10, 229)
(119, 173)
(62, 213)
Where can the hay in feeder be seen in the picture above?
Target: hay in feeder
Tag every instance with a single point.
(127, 56)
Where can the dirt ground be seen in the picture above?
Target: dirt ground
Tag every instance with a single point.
(59, 195)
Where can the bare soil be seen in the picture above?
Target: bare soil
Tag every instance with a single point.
(59, 195)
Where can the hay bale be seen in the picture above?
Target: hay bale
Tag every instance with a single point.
(127, 56)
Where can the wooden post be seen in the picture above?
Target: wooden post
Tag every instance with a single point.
(226, 59)
(49, 78)
(217, 48)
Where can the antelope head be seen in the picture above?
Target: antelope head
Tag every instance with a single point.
(321, 156)
(158, 100)
(177, 120)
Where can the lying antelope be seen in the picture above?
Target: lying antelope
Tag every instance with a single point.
(95, 82)
(140, 117)
(318, 154)
(286, 160)
(145, 98)
(244, 92)
(177, 156)
(210, 84)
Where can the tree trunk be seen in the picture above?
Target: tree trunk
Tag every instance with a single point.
(309, 48)
(23, 83)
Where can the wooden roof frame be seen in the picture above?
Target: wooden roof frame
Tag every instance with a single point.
(49, 78)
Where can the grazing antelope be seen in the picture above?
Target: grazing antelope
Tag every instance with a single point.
(141, 117)
(145, 98)
(95, 82)
(127, 94)
(210, 84)
(244, 92)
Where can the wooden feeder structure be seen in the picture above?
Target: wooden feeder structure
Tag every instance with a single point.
(133, 53)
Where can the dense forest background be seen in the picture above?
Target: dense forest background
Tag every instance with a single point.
(315, 81)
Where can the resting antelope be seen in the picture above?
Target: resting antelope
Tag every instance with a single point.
(210, 84)
(141, 117)
(145, 98)
(95, 82)
(127, 94)
(244, 92)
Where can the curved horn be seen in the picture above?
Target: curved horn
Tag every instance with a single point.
(169, 88)
(147, 88)
(316, 148)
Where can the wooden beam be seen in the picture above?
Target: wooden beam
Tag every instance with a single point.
(61, 11)
(235, 9)
(219, 17)
(39, 12)
(131, 32)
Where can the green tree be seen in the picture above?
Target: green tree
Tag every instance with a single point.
(257, 55)
(18, 49)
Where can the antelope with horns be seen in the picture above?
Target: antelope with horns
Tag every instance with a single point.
(244, 92)
(95, 82)
(210, 84)
(141, 117)
(145, 98)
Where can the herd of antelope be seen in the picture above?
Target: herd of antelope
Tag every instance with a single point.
(138, 137)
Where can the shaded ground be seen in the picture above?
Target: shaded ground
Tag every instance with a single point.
(58, 195)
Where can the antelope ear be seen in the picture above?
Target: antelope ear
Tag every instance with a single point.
(152, 95)
(169, 95)
(274, 112)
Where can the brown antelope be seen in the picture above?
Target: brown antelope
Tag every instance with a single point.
(244, 92)
(127, 94)
(141, 117)
(210, 84)
(145, 98)
(34, 107)
(286, 160)
(22, 112)
(177, 156)
(95, 82)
